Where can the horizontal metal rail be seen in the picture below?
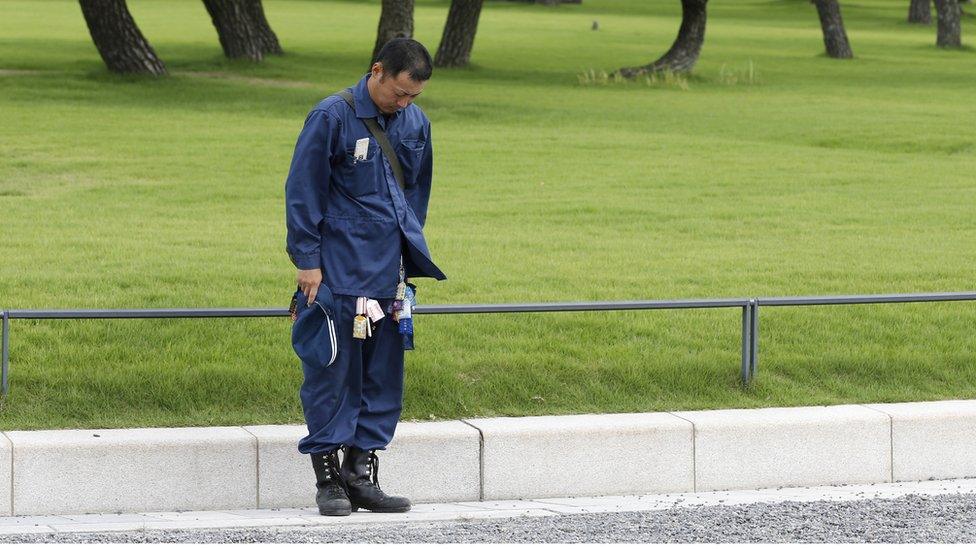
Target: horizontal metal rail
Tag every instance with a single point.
(420, 309)
(856, 299)
(749, 306)
(62, 314)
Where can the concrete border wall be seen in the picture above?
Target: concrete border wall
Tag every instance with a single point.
(180, 469)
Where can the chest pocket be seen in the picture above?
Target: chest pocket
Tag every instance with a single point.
(411, 152)
(360, 177)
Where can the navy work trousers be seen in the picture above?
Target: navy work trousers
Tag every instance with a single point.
(357, 400)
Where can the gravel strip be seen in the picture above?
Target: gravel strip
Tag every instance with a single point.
(908, 519)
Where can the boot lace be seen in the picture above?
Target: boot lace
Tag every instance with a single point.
(373, 469)
(336, 485)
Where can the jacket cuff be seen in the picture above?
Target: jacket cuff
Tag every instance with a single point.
(306, 261)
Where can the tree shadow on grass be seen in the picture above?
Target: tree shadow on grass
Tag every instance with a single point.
(285, 86)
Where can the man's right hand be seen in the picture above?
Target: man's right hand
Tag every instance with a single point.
(308, 280)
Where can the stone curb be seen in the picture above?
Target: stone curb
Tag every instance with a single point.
(259, 467)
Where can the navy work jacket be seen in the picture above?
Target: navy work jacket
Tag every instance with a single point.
(349, 217)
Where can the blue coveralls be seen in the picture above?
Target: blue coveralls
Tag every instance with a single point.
(351, 219)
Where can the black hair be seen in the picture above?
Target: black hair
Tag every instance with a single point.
(405, 54)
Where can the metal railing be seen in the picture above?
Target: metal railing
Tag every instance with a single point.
(750, 314)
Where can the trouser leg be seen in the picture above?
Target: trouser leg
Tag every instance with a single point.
(382, 385)
(331, 395)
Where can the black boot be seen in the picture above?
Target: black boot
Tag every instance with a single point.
(360, 472)
(331, 496)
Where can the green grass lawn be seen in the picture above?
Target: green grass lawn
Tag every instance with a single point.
(816, 176)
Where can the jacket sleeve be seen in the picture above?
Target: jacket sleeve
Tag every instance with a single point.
(307, 186)
(419, 195)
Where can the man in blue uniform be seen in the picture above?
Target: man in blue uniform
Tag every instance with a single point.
(355, 226)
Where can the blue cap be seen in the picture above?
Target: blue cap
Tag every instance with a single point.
(313, 334)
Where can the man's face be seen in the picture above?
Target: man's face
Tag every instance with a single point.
(392, 94)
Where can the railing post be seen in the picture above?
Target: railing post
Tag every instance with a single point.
(746, 343)
(5, 352)
(754, 352)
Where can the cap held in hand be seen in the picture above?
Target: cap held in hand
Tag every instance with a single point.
(313, 334)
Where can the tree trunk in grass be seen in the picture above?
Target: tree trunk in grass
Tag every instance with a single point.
(242, 28)
(396, 21)
(920, 12)
(687, 46)
(459, 31)
(949, 14)
(835, 37)
(266, 37)
(119, 41)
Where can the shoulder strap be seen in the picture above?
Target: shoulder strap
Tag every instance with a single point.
(374, 128)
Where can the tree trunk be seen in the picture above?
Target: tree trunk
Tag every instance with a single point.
(119, 41)
(949, 13)
(242, 28)
(835, 37)
(265, 36)
(687, 46)
(396, 21)
(459, 31)
(920, 11)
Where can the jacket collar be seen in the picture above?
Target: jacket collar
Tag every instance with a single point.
(365, 108)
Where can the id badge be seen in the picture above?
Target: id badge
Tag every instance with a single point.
(362, 149)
